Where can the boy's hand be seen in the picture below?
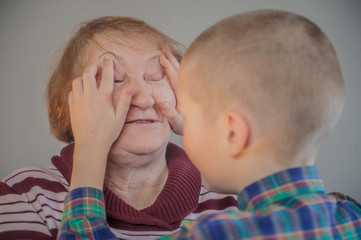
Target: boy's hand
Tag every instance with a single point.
(94, 117)
(171, 66)
(96, 122)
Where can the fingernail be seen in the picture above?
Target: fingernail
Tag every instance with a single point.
(106, 58)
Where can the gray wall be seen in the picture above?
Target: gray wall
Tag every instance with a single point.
(31, 30)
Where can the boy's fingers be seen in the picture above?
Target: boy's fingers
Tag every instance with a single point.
(175, 119)
(168, 53)
(89, 81)
(107, 81)
(170, 70)
(122, 106)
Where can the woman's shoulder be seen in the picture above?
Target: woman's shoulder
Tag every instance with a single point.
(175, 150)
(26, 178)
(32, 200)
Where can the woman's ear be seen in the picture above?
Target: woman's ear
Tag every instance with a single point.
(238, 133)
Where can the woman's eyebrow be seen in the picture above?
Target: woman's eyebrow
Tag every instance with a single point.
(151, 59)
(154, 58)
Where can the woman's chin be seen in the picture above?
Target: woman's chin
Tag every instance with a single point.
(141, 143)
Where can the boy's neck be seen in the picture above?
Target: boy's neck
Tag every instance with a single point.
(255, 165)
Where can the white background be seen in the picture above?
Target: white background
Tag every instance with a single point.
(31, 30)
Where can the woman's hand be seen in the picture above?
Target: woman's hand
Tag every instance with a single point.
(96, 122)
(171, 66)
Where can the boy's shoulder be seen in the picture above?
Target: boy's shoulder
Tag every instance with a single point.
(320, 217)
(297, 208)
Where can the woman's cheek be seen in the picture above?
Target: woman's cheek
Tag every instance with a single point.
(116, 92)
(163, 93)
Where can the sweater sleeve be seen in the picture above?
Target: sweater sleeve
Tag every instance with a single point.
(84, 216)
(19, 219)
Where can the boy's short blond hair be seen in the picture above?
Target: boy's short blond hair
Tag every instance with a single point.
(277, 65)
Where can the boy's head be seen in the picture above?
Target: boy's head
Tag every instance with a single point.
(257, 83)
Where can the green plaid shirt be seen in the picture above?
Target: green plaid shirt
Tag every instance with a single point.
(291, 204)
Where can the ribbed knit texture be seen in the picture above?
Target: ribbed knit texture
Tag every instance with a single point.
(31, 201)
(178, 198)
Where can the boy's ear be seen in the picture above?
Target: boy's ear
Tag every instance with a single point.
(238, 133)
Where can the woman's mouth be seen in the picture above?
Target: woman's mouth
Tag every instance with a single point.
(141, 121)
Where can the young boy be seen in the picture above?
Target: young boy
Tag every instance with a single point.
(259, 92)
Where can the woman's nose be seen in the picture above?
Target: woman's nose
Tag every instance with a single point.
(143, 96)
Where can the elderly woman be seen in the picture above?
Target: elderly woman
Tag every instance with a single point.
(150, 185)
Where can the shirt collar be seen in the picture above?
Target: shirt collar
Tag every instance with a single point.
(279, 186)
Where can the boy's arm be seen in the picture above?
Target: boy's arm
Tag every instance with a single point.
(84, 216)
(96, 122)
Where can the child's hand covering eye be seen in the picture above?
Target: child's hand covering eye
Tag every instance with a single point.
(171, 66)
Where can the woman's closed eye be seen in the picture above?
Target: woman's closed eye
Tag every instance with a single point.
(119, 78)
(155, 75)
(118, 81)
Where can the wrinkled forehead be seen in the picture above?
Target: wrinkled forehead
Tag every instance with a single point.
(137, 41)
(122, 46)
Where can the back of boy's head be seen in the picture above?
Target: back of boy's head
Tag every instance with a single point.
(278, 66)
